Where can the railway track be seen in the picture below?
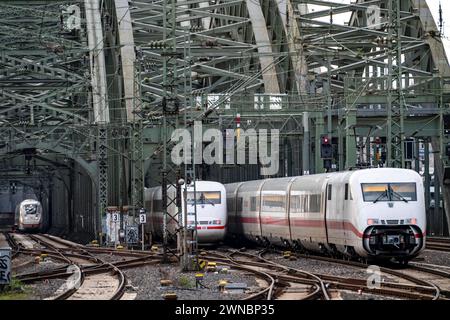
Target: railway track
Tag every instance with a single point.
(108, 284)
(89, 277)
(82, 266)
(438, 243)
(420, 289)
(281, 281)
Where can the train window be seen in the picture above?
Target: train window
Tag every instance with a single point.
(330, 188)
(30, 209)
(253, 204)
(314, 203)
(273, 202)
(295, 203)
(389, 192)
(204, 197)
(305, 203)
(346, 192)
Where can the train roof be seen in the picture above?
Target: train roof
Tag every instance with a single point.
(207, 185)
(201, 185)
(361, 174)
(29, 201)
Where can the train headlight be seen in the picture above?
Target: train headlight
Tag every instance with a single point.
(411, 221)
(373, 221)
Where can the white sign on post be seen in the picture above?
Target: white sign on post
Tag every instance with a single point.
(115, 217)
(142, 218)
(373, 15)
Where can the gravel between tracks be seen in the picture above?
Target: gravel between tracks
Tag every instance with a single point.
(434, 257)
(48, 264)
(348, 295)
(146, 281)
(326, 268)
(112, 258)
(42, 289)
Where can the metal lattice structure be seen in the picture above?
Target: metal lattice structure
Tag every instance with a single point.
(357, 67)
(87, 80)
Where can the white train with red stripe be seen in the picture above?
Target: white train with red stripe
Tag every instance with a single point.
(29, 215)
(210, 205)
(365, 213)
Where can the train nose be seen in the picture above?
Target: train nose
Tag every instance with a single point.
(393, 240)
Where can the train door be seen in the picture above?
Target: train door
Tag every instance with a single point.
(345, 211)
(325, 204)
(338, 214)
(334, 213)
(288, 208)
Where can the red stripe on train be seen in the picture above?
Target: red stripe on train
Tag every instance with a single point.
(213, 228)
(336, 225)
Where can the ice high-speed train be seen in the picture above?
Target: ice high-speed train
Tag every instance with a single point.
(28, 215)
(365, 213)
(210, 200)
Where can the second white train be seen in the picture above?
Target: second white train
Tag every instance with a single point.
(209, 200)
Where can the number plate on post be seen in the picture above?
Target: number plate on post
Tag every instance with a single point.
(142, 218)
(116, 216)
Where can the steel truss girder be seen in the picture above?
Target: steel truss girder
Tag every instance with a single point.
(46, 97)
(102, 168)
(206, 24)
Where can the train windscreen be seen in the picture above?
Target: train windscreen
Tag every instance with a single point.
(374, 192)
(30, 209)
(204, 197)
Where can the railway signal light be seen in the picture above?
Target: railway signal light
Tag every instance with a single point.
(326, 148)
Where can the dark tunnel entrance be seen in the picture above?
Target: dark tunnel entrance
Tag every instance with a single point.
(61, 184)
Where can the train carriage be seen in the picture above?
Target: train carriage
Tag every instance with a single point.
(306, 212)
(274, 215)
(209, 200)
(244, 212)
(366, 213)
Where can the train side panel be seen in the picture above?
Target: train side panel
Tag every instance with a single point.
(339, 222)
(234, 226)
(148, 205)
(274, 211)
(157, 211)
(306, 212)
(248, 206)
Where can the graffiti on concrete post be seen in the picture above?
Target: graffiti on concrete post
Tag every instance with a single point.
(5, 266)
